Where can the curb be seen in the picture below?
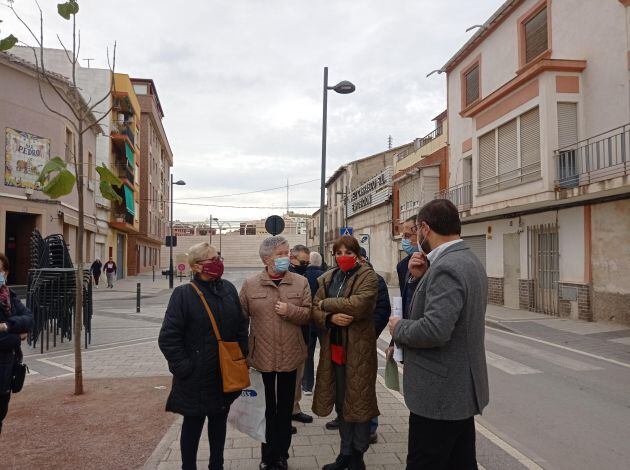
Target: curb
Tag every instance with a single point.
(498, 325)
(155, 458)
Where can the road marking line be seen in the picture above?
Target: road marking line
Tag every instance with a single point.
(566, 348)
(55, 364)
(492, 437)
(509, 366)
(554, 358)
(507, 448)
(95, 348)
(102, 349)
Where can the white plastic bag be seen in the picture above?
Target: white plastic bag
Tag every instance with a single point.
(247, 413)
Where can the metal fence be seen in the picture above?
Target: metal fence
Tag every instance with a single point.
(597, 158)
(460, 195)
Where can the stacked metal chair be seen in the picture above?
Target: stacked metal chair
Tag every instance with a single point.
(51, 292)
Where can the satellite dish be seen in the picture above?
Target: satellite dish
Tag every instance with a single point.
(274, 225)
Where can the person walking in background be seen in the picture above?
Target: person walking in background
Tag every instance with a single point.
(445, 371)
(189, 344)
(313, 272)
(346, 376)
(110, 272)
(15, 322)
(278, 303)
(300, 259)
(96, 269)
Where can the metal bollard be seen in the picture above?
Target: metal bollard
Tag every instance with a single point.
(138, 297)
(153, 273)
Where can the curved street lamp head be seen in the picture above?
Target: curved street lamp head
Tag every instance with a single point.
(345, 87)
(180, 183)
(438, 71)
(476, 26)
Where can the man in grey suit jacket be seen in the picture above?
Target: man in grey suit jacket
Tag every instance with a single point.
(445, 372)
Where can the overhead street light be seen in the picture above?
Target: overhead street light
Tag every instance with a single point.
(170, 270)
(344, 87)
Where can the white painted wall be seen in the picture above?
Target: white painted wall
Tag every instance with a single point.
(595, 31)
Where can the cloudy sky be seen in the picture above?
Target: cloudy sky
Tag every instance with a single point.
(240, 82)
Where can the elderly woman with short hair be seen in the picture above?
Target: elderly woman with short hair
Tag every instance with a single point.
(277, 302)
(190, 347)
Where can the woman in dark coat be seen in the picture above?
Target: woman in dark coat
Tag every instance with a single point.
(15, 321)
(188, 343)
(97, 269)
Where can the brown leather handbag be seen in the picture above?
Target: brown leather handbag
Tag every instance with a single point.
(234, 370)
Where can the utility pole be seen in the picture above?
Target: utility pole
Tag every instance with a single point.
(287, 196)
(390, 142)
(210, 229)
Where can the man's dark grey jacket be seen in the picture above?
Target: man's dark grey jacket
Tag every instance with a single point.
(445, 372)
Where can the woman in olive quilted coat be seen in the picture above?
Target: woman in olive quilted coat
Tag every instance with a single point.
(346, 377)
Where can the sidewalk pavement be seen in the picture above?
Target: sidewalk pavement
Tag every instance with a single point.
(125, 289)
(609, 340)
(312, 447)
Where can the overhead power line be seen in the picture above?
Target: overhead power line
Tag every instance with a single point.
(249, 192)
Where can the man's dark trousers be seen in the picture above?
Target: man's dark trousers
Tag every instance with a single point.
(441, 445)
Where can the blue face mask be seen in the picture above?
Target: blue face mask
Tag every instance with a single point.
(3, 280)
(409, 248)
(281, 265)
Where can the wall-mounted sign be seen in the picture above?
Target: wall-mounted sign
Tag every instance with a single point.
(25, 155)
(371, 193)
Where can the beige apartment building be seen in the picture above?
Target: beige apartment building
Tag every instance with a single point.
(539, 134)
(156, 160)
(29, 136)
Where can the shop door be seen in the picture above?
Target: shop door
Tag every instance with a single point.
(545, 267)
(19, 229)
(511, 269)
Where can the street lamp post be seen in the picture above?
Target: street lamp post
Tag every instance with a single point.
(170, 269)
(344, 87)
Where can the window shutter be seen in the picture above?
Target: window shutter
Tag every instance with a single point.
(567, 124)
(472, 85)
(536, 35)
(487, 159)
(508, 149)
(477, 245)
(530, 138)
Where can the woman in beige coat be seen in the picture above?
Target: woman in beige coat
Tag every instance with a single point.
(277, 302)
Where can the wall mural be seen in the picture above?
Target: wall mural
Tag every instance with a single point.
(25, 156)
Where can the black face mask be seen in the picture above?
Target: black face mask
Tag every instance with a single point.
(300, 268)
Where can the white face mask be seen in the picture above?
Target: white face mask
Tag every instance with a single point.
(3, 279)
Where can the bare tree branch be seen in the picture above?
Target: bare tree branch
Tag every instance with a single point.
(65, 49)
(19, 18)
(98, 121)
(41, 94)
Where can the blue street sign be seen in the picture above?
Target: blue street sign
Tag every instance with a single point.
(345, 231)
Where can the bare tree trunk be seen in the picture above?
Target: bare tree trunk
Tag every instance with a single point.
(78, 317)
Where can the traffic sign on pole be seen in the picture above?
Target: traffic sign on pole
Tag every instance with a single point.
(343, 231)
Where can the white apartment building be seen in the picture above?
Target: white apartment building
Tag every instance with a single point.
(539, 138)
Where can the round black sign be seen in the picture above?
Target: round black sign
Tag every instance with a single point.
(274, 225)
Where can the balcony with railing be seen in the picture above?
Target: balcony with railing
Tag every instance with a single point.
(123, 130)
(460, 195)
(125, 172)
(419, 143)
(599, 158)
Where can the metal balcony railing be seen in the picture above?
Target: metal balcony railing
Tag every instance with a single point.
(124, 128)
(509, 179)
(124, 171)
(601, 157)
(460, 195)
(419, 143)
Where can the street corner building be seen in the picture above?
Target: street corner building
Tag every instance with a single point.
(539, 155)
(131, 142)
(30, 135)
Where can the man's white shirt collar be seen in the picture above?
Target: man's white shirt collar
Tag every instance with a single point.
(433, 255)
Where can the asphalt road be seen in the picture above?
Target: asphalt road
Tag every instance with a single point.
(550, 407)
